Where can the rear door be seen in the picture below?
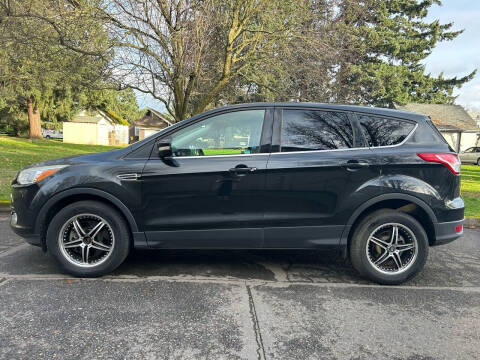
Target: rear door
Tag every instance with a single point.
(315, 174)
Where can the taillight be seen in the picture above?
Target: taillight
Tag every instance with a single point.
(451, 161)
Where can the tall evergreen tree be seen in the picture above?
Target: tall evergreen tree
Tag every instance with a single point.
(388, 41)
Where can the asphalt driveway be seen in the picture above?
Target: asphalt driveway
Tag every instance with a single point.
(238, 305)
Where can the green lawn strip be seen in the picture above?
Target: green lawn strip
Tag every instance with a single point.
(210, 152)
(16, 153)
(471, 190)
(471, 178)
(472, 204)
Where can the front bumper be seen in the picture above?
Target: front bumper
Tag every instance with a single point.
(446, 232)
(22, 217)
(25, 232)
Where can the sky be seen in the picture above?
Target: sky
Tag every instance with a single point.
(462, 55)
(454, 58)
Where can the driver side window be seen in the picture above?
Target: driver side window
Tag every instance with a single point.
(225, 134)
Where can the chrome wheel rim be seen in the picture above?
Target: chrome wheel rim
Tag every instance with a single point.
(392, 248)
(86, 240)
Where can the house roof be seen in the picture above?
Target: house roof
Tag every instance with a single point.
(445, 117)
(92, 117)
(152, 119)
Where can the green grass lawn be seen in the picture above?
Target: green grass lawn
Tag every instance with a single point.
(471, 189)
(15, 153)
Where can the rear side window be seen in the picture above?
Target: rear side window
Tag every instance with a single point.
(380, 131)
(309, 130)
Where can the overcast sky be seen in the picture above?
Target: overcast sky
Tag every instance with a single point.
(454, 58)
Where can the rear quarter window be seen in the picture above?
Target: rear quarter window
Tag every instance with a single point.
(382, 131)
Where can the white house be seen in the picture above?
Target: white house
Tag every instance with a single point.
(94, 128)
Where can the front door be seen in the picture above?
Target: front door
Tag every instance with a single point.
(314, 178)
(210, 193)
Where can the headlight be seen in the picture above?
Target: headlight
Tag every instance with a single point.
(35, 174)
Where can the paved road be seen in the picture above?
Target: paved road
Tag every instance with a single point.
(238, 305)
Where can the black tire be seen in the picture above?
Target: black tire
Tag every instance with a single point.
(478, 161)
(363, 262)
(89, 211)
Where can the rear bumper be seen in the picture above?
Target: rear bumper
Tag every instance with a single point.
(448, 231)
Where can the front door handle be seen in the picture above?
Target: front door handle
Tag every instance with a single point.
(355, 164)
(242, 170)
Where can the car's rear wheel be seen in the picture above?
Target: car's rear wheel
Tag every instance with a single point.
(88, 238)
(478, 161)
(389, 247)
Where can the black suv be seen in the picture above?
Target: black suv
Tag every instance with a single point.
(382, 185)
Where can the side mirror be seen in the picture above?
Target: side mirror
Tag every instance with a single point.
(164, 149)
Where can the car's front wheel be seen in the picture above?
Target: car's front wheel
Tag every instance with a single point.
(88, 238)
(389, 247)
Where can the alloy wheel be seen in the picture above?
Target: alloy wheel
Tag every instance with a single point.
(86, 240)
(392, 248)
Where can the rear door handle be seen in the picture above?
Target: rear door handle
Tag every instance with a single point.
(355, 164)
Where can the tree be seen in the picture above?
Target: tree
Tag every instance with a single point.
(362, 52)
(185, 52)
(195, 54)
(48, 50)
(387, 41)
(121, 105)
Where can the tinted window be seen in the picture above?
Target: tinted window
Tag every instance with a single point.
(226, 134)
(379, 131)
(306, 130)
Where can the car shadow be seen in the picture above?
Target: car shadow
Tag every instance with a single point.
(269, 265)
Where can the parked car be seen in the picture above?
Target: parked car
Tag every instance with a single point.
(381, 185)
(52, 134)
(471, 155)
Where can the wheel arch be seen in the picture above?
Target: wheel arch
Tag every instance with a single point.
(397, 201)
(70, 196)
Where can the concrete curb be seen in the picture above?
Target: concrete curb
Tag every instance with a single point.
(472, 223)
(4, 209)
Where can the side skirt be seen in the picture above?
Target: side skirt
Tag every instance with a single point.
(306, 237)
(242, 238)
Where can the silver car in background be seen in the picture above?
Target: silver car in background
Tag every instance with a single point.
(52, 134)
(471, 155)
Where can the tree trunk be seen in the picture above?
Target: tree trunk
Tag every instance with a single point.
(34, 120)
